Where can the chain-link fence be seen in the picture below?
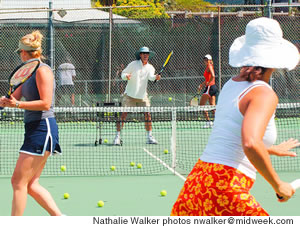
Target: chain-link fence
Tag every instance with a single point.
(100, 49)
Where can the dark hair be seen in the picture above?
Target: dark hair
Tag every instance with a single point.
(252, 74)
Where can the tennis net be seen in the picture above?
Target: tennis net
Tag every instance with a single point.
(87, 135)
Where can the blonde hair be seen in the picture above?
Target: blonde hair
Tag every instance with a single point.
(34, 40)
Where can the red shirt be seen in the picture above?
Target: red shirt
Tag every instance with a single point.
(207, 75)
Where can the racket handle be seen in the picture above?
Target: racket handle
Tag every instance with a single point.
(7, 96)
(279, 197)
(295, 184)
(159, 73)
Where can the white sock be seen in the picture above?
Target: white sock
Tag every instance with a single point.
(149, 133)
(118, 134)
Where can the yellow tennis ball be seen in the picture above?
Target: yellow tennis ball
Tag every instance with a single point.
(66, 195)
(4, 114)
(63, 168)
(166, 151)
(170, 99)
(105, 141)
(100, 203)
(132, 164)
(139, 165)
(12, 123)
(112, 168)
(163, 192)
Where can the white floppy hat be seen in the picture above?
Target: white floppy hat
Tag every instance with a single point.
(207, 56)
(144, 49)
(263, 45)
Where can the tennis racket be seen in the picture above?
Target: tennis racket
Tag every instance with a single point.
(295, 184)
(195, 100)
(164, 65)
(21, 74)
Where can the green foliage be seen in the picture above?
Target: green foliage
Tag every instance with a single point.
(188, 5)
(156, 9)
(96, 3)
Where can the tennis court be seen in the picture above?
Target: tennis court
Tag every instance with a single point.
(129, 190)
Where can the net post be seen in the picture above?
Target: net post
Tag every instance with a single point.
(173, 139)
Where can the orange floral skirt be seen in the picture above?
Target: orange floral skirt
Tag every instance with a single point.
(216, 190)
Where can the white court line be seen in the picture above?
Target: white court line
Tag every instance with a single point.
(165, 165)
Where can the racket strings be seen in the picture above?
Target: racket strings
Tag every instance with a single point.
(23, 73)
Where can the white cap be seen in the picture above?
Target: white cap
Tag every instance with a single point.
(207, 56)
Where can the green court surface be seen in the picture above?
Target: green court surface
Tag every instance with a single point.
(127, 190)
(131, 196)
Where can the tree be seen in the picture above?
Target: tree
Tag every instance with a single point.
(156, 9)
(188, 5)
(103, 2)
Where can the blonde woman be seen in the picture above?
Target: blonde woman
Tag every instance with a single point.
(210, 91)
(41, 131)
(244, 131)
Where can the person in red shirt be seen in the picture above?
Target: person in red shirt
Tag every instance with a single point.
(210, 90)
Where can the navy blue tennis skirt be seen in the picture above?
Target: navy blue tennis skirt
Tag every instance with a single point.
(211, 90)
(41, 136)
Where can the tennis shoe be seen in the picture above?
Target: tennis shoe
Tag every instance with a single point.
(117, 140)
(151, 140)
(208, 125)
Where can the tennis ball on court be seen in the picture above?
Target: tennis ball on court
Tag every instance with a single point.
(63, 168)
(139, 165)
(132, 164)
(100, 203)
(105, 141)
(170, 99)
(12, 123)
(66, 195)
(4, 114)
(166, 151)
(112, 168)
(163, 192)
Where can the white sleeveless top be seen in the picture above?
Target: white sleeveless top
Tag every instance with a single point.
(225, 142)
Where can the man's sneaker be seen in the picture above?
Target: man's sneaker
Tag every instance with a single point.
(208, 125)
(151, 140)
(117, 140)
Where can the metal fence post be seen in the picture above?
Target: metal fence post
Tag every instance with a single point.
(219, 48)
(109, 57)
(269, 6)
(51, 35)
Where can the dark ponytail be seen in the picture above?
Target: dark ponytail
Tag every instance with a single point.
(252, 74)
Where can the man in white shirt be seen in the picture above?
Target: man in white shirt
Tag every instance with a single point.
(65, 74)
(137, 74)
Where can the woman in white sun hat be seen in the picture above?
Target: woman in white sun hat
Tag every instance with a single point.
(244, 130)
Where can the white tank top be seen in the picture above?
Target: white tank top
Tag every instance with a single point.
(225, 142)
